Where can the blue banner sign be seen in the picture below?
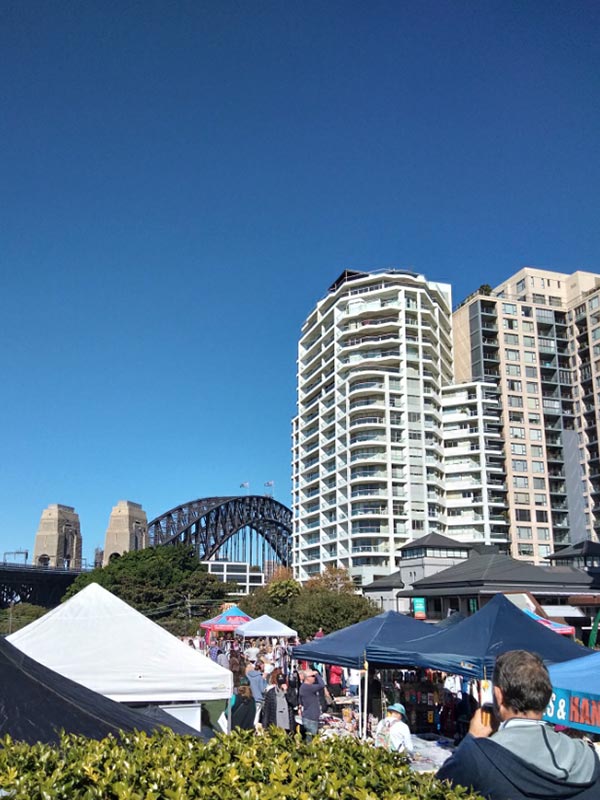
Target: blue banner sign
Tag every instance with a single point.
(574, 710)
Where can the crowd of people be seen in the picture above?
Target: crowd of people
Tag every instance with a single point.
(510, 754)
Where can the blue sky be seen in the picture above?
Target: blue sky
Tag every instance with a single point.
(181, 181)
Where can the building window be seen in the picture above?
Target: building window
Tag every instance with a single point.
(537, 466)
(524, 532)
(511, 355)
(532, 388)
(514, 386)
(509, 308)
(539, 483)
(541, 516)
(522, 498)
(519, 465)
(525, 549)
(518, 449)
(531, 372)
(514, 370)
(511, 338)
(523, 515)
(521, 482)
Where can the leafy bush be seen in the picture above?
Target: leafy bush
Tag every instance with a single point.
(240, 766)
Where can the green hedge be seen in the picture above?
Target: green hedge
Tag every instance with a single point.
(244, 766)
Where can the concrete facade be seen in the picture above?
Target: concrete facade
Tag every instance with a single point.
(127, 530)
(58, 538)
(537, 337)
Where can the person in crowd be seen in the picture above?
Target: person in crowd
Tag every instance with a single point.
(272, 678)
(257, 685)
(525, 757)
(319, 634)
(277, 709)
(213, 650)
(222, 659)
(237, 667)
(309, 703)
(392, 732)
(251, 652)
(374, 694)
(353, 677)
(191, 643)
(335, 676)
(243, 713)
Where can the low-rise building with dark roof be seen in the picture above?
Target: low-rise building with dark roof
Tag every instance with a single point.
(420, 558)
(466, 587)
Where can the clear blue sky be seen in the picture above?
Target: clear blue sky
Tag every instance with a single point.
(181, 181)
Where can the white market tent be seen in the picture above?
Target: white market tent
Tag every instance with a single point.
(101, 642)
(264, 626)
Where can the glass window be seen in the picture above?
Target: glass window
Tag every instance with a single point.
(522, 515)
(534, 419)
(511, 355)
(541, 516)
(514, 386)
(543, 534)
(509, 308)
(539, 483)
(529, 341)
(521, 482)
(525, 549)
(535, 434)
(517, 433)
(518, 449)
(511, 338)
(522, 498)
(514, 370)
(518, 465)
(532, 388)
(537, 466)
(541, 500)
(524, 532)
(514, 401)
(531, 372)
(536, 451)
(526, 311)
(530, 358)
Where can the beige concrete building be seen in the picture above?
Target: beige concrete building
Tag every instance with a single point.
(127, 530)
(58, 538)
(537, 337)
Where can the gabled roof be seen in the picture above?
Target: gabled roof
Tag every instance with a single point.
(585, 548)
(436, 540)
(498, 572)
(101, 642)
(393, 581)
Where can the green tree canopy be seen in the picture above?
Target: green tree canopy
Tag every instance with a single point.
(328, 601)
(167, 584)
(19, 615)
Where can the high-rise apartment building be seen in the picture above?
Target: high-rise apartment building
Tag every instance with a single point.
(368, 472)
(537, 337)
(475, 490)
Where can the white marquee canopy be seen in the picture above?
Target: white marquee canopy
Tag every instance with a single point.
(101, 642)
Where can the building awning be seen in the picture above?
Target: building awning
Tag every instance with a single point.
(563, 611)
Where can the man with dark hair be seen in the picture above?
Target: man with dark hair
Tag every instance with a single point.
(526, 757)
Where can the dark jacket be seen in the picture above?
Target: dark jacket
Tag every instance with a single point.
(269, 712)
(242, 714)
(496, 773)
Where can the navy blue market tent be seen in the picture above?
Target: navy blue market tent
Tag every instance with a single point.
(36, 703)
(470, 647)
(347, 647)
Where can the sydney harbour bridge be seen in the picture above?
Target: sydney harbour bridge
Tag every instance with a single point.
(254, 529)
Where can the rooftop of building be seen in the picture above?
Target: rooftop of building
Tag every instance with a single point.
(487, 573)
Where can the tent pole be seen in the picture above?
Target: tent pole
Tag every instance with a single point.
(229, 715)
(366, 715)
(360, 709)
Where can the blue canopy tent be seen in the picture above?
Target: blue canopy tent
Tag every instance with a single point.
(576, 699)
(347, 647)
(470, 648)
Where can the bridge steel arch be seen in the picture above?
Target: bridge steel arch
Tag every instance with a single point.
(209, 523)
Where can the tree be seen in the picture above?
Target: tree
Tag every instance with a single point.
(334, 579)
(19, 615)
(328, 601)
(167, 584)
